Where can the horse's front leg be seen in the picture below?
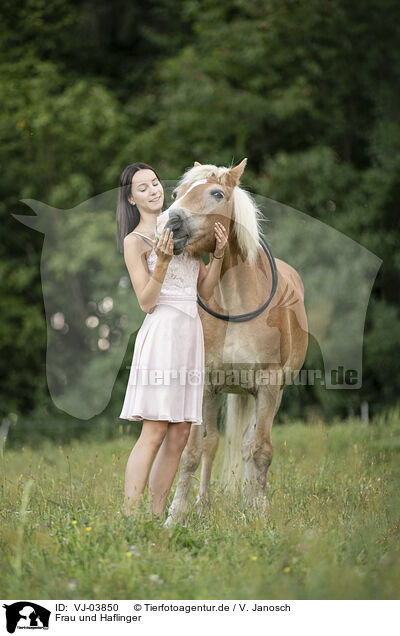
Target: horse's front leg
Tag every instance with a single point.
(257, 450)
(190, 460)
(210, 444)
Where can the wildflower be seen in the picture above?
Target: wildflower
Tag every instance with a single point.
(72, 584)
(74, 521)
(286, 570)
(129, 554)
(254, 558)
(154, 578)
(132, 549)
(111, 565)
(88, 529)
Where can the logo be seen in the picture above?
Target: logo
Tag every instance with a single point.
(91, 310)
(26, 615)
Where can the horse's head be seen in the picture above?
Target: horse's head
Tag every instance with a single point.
(206, 194)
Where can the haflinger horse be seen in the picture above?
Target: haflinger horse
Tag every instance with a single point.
(249, 359)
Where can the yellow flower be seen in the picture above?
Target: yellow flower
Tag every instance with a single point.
(254, 558)
(74, 521)
(88, 529)
(129, 554)
(286, 570)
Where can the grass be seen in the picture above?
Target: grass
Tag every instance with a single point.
(331, 532)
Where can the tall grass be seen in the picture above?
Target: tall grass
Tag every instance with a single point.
(332, 529)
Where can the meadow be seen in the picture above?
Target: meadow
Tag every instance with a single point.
(331, 531)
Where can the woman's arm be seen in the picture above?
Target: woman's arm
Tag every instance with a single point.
(210, 275)
(147, 288)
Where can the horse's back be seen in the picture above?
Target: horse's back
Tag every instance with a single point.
(290, 276)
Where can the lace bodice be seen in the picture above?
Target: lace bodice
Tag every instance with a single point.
(181, 277)
(179, 288)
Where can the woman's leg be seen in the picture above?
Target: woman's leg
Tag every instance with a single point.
(166, 464)
(141, 459)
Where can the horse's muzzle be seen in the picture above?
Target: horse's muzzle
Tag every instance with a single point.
(180, 222)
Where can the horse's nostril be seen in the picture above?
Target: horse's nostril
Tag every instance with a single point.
(175, 221)
(175, 226)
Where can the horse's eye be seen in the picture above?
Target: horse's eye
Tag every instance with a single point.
(218, 194)
(174, 194)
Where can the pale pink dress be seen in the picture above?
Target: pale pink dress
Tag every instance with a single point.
(166, 379)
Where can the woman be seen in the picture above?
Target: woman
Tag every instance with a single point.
(169, 347)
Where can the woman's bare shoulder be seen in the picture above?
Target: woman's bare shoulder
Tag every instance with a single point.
(134, 244)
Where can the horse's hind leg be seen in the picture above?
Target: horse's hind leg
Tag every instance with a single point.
(210, 445)
(190, 460)
(257, 448)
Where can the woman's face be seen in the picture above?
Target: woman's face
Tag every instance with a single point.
(146, 192)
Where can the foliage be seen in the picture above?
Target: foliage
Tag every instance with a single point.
(305, 90)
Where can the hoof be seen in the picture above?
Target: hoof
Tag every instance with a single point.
(260, 505)
(170, 522)
(202, 503)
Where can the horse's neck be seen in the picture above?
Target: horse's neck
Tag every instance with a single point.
(239, 287)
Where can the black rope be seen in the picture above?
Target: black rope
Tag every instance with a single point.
(252, 314)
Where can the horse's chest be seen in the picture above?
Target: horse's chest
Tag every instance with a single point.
(242, 343)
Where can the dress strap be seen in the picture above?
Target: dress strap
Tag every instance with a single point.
(145, 238)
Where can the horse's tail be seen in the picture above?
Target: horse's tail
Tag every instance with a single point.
(240, 413)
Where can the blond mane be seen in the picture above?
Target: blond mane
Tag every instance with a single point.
(247, 216)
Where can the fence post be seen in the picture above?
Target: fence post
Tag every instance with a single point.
(364, 412)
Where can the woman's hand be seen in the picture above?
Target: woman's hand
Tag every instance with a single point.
(164, 246)
(221, 238)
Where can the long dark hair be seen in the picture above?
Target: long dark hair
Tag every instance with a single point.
(128, 216)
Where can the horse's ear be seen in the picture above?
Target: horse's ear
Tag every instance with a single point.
(44, 214)
(237, 172)
(196, 163)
